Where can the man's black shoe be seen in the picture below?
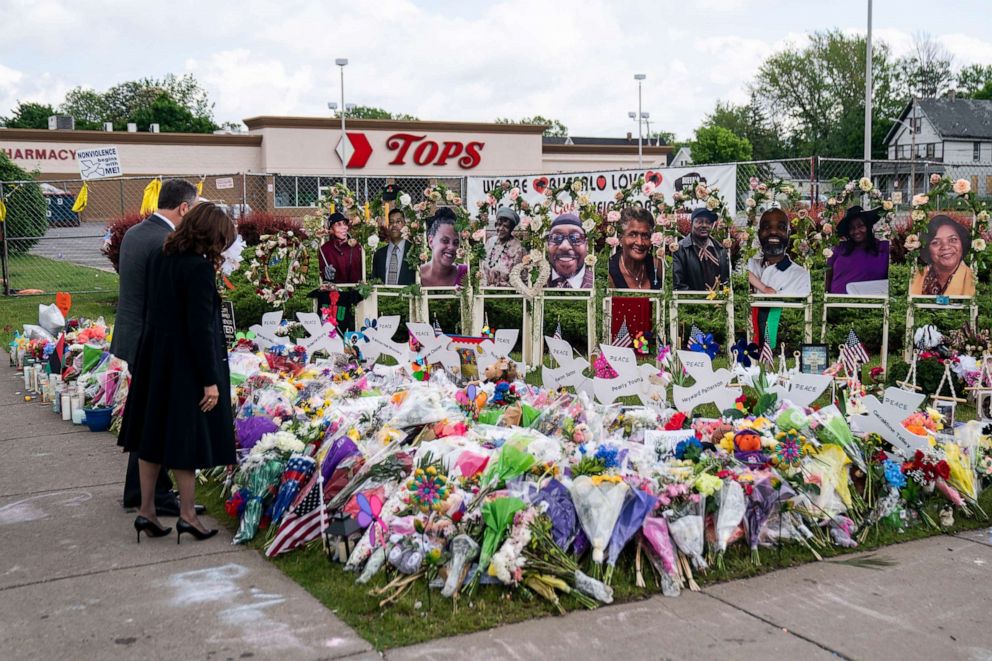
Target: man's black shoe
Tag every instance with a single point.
(172, 508)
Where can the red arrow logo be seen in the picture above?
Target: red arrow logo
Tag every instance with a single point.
(361, 150)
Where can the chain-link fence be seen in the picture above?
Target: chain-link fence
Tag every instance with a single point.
(47, 247)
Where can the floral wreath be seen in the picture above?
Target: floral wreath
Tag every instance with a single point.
(964, 198)
(780, 194)
(849, 193)
(273, 249)
(710, 197)
(362, 224)
(469, 250)
(411, 232)
(665, 237)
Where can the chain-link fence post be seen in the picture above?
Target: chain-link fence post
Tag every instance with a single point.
(3, 255)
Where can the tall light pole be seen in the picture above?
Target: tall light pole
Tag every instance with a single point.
(639, 77)
(343, 62)
(868, 86)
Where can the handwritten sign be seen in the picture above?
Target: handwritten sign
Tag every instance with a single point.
(710, 386)
(227, 322)
(98, 163)
(663, 441)
(632, 380)
(434, 349)
(222, 183)
(569, 372)
(885, 419)
(380, 340)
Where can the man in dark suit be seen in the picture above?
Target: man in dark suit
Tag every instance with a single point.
(389, 262)
(700, 263)
(140, 242)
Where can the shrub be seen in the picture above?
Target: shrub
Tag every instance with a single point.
(259, 223)
(27, 217)
(116, 229)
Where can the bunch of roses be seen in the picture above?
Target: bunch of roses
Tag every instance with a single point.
(926, 468)
(763, 195)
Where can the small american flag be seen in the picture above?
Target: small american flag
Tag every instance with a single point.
(695, 335)
(852, 353)
(437, 328)
(302, 523)
(623, 338)
(767, 356)
(557, 334)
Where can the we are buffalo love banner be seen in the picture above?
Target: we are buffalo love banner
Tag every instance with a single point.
(602, 186)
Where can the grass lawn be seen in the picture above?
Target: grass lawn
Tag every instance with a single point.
(51, 276)
(418, 617)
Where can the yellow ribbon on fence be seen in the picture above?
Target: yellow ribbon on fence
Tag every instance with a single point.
(84, 196)
(149, 201)
(3, 211)
(199, 187)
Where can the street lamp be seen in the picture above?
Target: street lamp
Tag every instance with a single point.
(639, 77)
(868, 92)
(343, 62)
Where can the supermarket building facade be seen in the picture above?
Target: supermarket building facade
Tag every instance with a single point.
(287, 162)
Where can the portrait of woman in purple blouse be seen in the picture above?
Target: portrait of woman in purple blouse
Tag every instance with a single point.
(860, 263)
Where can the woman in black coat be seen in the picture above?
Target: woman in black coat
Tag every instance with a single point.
(178, 411)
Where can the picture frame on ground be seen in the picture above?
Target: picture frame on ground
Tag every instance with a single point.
(813, 358)
(946, 408)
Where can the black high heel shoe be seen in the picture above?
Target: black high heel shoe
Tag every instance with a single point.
(183, 526)
(149, 527)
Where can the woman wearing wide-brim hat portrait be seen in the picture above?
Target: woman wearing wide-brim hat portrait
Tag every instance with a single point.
(860, 264)
(944, 249)
(340, 261)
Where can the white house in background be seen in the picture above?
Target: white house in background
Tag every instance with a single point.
(682, 158)
(955, 134)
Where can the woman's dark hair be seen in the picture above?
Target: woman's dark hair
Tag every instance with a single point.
(174, 192)
(443, 216)
(638, 214)
(206, 230)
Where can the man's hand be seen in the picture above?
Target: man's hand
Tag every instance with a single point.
(210, 397)
(758, 285)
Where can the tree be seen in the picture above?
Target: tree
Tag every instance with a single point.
(665, 138)
(715, 144)
(137, 101)
(26, 210)
(975, 81)
(556, 128)
(28, 115)
(927, 70)
(371, 112)
(818, 92)
(749, 122)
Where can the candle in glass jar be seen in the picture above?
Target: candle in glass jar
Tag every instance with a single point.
(65, 406)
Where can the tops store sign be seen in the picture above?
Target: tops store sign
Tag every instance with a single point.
(602, 186)
(411, 149)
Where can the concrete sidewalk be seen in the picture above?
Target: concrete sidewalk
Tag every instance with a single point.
(74, 585)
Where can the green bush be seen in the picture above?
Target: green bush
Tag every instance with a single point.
(249, 308)
(929, 371)
(26, 212)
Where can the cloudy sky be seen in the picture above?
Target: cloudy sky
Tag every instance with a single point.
(450, 59)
